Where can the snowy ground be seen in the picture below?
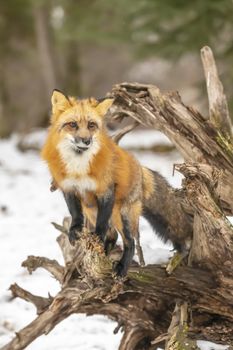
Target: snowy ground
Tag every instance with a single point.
(26, 209)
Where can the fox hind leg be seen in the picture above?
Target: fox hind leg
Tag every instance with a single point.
(135, 212)
(122, 266)
(139, 248)
(110, 240)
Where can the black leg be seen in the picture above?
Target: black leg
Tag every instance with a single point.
(122, 266)
(110, 240)
(75, 209)
(105, 206)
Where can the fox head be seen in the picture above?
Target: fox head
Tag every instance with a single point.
(77, 123)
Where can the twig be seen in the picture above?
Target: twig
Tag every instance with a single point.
(121, 132)
(60, 228)
(34, 262)
(159, 339)
(40, 303)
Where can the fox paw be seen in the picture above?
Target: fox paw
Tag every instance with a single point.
(74, 235)
(119, 269)
(174, 262)
(101, 238)
(109, 246)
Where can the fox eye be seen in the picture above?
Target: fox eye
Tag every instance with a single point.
(73, 125)
(92, 125)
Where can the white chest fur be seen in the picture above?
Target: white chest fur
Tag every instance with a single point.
(78, 164)
(77, 167)
(81, 185)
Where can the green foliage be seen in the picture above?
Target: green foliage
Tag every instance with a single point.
(173, 27)
(15, 22)
(168, 28)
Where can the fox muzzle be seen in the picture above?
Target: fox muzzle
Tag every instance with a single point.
(82, 143)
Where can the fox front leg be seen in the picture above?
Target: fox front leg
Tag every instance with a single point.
(105, 205)
(75, 209)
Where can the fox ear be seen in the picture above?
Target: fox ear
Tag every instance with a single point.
(59, 101)
(103, 106)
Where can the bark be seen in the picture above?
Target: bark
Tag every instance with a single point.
(151, 307)
(195, 138)
(218, 108)
(177, 331)
(142, 305)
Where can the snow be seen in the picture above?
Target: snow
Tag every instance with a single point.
(27, 208)
(206, 345)
(144, 139)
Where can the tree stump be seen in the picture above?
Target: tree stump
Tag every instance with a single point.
(152, 307)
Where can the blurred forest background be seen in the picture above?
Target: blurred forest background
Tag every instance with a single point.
(85, 46)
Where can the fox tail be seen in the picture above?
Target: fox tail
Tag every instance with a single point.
(165, 211)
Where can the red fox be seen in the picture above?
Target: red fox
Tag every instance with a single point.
(102, 181)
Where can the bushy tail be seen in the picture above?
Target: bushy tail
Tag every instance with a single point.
(164, 209)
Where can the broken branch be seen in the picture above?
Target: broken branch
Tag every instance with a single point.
(34, 262)
(40, 303)
(218, 108)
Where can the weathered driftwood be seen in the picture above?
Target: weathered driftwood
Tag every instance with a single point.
(196, 138)
(142, 305)
(218, 108)
(152, 307)
(212, 245)
(177, 331)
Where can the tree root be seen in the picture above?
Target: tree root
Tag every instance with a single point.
(142, 304)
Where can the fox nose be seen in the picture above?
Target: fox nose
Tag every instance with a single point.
(86, 140)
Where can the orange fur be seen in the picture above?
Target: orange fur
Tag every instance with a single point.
(112, 189)
(110, 165)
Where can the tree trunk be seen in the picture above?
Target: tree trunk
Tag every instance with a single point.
(5, 120)
(73, 68)
(44, 44)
